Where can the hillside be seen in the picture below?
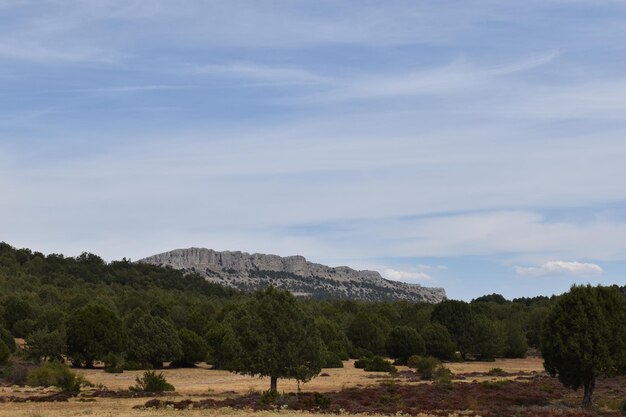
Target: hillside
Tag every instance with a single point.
(249, 272)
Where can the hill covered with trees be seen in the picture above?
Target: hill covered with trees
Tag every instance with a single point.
(136, 315)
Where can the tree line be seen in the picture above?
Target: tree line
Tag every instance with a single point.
(137, 316)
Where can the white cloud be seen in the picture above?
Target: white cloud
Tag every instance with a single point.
(454, 78)
(424, 267)
(405, 276)
(274, 74)
(552, 268)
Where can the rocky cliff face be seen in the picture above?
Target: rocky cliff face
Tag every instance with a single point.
(249, 272)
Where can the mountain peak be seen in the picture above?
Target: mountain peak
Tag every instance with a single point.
(249, 272)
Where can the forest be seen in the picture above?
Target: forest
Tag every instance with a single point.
(128, 316)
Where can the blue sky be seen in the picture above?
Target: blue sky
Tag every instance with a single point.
(473, 145)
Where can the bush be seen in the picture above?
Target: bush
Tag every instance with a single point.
(114, 363)
(332, 360)
(43, 345)
(378, 364)
(5, 353)
(194, 347)
(22, 328)
(361, 363)
(321, 400)
(55, 374)
(15, 373)
(360, 353)
(152, 382)
(442, 375)
(269, 397)
(153, 340)
(623, 408)
(404, 341)
(496, 372)
(438, 342)
(7, 338)
(425, 365)
(495, 384)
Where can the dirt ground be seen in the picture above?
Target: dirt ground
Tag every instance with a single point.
(203, 382)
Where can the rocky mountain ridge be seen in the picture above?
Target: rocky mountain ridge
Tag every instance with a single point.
(249, 272)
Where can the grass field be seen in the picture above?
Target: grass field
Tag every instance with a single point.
(202, 383)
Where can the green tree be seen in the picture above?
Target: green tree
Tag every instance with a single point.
(194, 348)
(153, 340)
(333, 336)
(367, 332)
(458, 318)
(7, 338)
(5, 353)
(404, 341)
(489, 338)
(42, 345)
(270, 335)
(93, 332)
(438, 341)
(584, 337)
(17, 309)
(214, 337)
(515, 340)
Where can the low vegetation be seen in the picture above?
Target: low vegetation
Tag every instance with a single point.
(152, 382)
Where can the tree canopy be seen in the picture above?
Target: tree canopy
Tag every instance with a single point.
(93, 332)
(585, 337)
(270, 335)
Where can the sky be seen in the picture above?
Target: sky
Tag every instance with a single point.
(478, 146)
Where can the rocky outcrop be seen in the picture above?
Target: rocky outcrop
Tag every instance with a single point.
(249, 272)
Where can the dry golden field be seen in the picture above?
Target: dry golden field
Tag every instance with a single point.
(202, 382)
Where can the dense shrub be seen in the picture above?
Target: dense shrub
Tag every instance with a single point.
(438, 342)
(22, 328)
(92, 332)
(368, 332)
(332, 360)
(5, 353)
(55, 374)
(269, 397)
(489, 339)
(623, 407)
(7, 338)
(424, 365)
(378, 364)
(43, 345)
(15, 373)
(361, 363)
(194, 348)
(153, 340)
(404, 341)
(442, 375)
(515, 345)
(152, 382)
(114, 363)
(359, 353)
(458, 318)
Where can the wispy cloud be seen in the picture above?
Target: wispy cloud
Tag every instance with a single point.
(553, 268)
(457, 77)
(405, 276)
(273, 74)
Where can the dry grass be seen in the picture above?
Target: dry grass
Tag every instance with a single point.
(204, 382)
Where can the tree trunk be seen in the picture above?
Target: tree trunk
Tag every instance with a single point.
(589, 385)
(273, 384)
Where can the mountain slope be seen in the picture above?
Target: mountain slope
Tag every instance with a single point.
(249, 272)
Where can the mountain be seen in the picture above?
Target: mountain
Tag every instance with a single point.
(249, 272)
